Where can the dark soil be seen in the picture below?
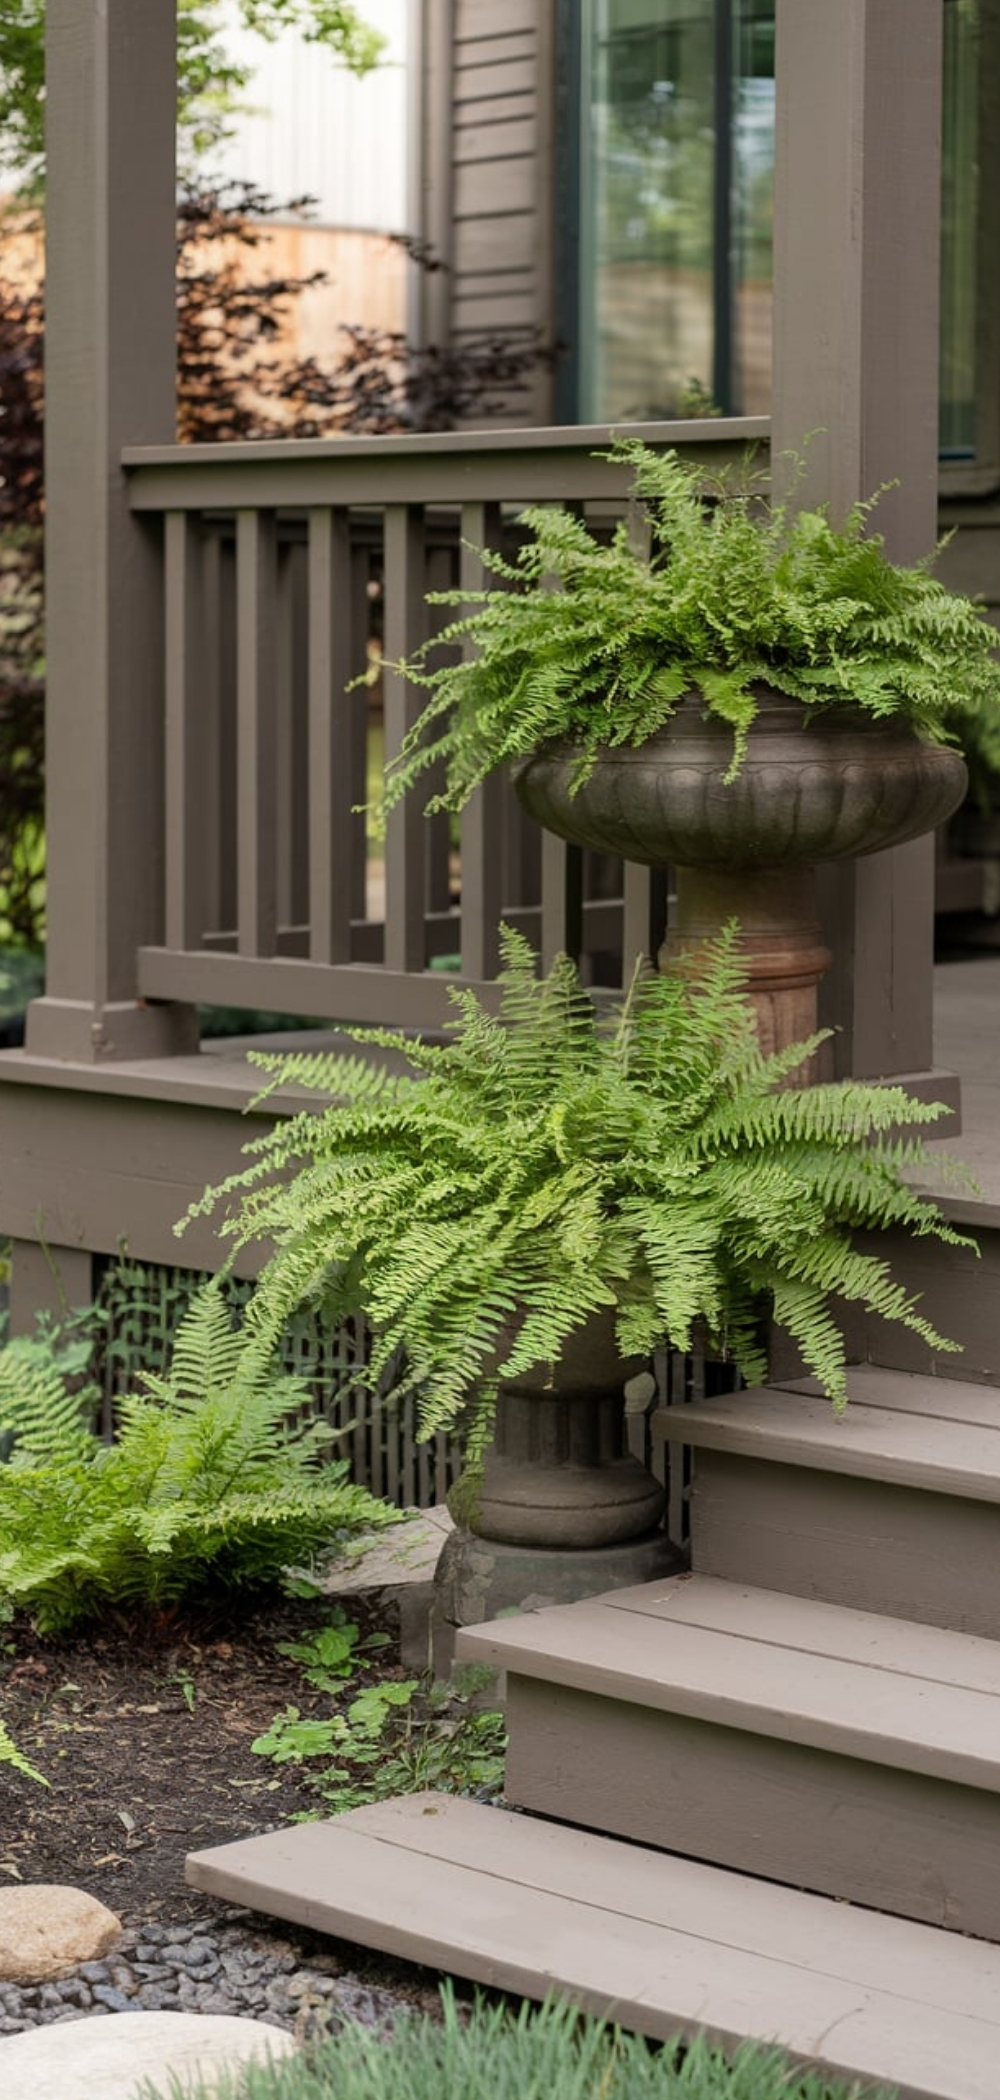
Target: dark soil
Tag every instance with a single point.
(144, 1732)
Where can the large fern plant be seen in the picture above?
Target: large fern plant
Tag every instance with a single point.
(217, 1480)
(548, 1163)
(596, 643)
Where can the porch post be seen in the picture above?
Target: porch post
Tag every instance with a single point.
(110, 365)
(856, 236)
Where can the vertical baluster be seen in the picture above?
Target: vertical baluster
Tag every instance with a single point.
(211, 586)
(644, 916)
(333, 728)
(359, 714)
(299, 784)
(562, 899)
(404, 845)
(439, 575)
(256, 740)
(283, 750)
(228, 786)
(483, 819)
(187, 815)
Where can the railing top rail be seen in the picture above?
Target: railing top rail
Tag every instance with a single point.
(561, 437)
(448, 467)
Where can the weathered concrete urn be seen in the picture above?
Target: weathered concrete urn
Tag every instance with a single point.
(814, 786)
(563, 1510)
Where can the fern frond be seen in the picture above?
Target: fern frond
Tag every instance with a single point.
(594, 643)
(550, 1161)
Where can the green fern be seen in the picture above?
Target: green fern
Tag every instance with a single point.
(216, 1480)
(11, 1755)
(596, 643)
(548, 1164)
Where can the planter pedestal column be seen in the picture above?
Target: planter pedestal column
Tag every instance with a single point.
(779, 941)
(562, 1510)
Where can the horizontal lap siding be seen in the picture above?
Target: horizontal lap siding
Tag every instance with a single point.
(501, 282)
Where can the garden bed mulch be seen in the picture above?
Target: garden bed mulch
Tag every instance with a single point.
(143, 1730)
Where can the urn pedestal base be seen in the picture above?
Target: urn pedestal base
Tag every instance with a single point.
(479, 1578)
(779, 942)
(562, 1509)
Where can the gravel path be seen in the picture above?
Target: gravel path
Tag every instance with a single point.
(232, 1964)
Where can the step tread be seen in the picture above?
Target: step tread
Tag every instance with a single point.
(851, 1682)
(662, 1944)
(929, 1433)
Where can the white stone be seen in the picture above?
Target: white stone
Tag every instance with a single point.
(45, 1930)
(112, 2057)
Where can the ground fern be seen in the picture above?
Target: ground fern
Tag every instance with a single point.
(219, 1479)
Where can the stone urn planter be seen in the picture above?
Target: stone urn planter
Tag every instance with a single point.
(562, 1509)
(812, 787)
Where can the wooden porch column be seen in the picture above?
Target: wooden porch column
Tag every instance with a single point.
(856, 236)
(110, 366)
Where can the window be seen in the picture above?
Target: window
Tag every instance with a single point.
(666, 281)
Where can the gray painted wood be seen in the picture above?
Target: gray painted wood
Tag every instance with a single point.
(405, 615)
(857, 214)
(844, 1682)
(110, 326)
(451, 467)
(256, 734)
(932, 1558)
(189, 814)
(335, 837)
(664, 1946)
(482, 821)
(502, 174)
(894, 1840)
(281, 984)
(562, 899)
(953, 1451)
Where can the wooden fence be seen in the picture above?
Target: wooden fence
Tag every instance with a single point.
(283, 567)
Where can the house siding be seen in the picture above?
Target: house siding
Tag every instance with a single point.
(502, 91)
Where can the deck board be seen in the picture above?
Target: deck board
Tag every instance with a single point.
(946, 1443)
(663, 1944)
(668, 1655)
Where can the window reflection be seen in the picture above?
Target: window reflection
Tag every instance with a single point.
(676, 149)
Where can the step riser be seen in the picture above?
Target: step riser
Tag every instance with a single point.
(958, 1293)
(866, 1544)
(898, 1842)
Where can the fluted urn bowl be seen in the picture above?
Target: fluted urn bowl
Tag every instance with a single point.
(815, 785)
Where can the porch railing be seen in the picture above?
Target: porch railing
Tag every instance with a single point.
(285, 566)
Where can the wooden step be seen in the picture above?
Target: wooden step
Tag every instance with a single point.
(830, 1749)
(663, 1945)
(893, 1507)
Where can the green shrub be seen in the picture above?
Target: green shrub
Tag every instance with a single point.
(729, 594)
(546, 2053)
(212, 1482)
(550, 1163)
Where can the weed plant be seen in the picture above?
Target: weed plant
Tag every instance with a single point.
(396, 1736)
